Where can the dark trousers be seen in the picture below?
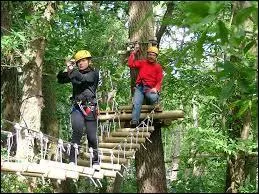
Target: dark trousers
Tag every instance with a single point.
(79, 125)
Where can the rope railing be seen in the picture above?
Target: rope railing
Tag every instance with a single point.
(44, 139)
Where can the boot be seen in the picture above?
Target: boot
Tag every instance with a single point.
(96, 163)
(134, 123)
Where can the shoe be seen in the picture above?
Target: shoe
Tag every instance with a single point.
(134, 123)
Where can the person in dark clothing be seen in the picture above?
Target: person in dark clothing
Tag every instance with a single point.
(84, 80)
(148, 83)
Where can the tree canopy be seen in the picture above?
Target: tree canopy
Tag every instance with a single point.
(208, 51)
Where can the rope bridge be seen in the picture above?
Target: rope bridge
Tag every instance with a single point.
(116, 147)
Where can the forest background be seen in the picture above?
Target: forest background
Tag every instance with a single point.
(208, 51)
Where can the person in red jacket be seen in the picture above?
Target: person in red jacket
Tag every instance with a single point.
(148, 83)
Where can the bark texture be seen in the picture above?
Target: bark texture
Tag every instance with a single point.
(150, 168)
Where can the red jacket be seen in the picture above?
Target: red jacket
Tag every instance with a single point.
(150, 74)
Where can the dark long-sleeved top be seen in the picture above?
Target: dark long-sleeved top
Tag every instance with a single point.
(84, 83)
(149, 74)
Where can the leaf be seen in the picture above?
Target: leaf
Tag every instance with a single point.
(235, 104)
(227, 90)
(223, 32)
(200, 9)
(200, 50)
(245, 106)
(249, 46)
(215, 6)
(243, 14)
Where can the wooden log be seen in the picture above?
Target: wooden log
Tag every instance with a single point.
(105, 173)
(68, 167)
(36, 168)
(56, 173)
(145, 129)
(30, 174)
(72, 174)
(173, 115)
(23, 167)
(13, 166)
(103, 165)
(127, 134)
(103, 112)
(98, 175)
(107, 159)
(106, 151)
(142, 111)
(115, 145)
(110, 173)
(121, 139)
(143, 107)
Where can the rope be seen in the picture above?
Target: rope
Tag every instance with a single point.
(124, 148)
(76, 152)
(111, 152)
(68, 149)
(106, 126)
(41, 145)
(46, 140)
(119, 148)
(131, 139)
(9, 144)
(101, 156)
(91, 156)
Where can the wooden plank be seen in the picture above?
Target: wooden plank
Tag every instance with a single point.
(127, 133)
(72, 174)
(115, 145)
(68, 167)
(36, 168)
(30, 174)
(145, 129)
(56, 173)
(142, 111)
(103, 165)
(107, 159)
(13, 166)
(110, 173)
(173, 115)
(107, 151)
(23, 167)
(143, 107)
(121, 140)
(98, 175)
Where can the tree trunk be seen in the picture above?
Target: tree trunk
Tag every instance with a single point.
(150, 168)
(141, 29)
(49, 118)
(32, 101)
(10, 91)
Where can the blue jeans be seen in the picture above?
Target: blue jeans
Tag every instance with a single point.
(139, 94)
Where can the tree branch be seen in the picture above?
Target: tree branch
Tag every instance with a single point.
(168, 13)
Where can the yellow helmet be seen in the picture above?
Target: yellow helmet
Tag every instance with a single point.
(82, 54)
(153, 49)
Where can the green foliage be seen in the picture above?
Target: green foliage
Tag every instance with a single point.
(129, 184)
(211, 179)
(224, 88)
(248, 187)
(16, 186)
